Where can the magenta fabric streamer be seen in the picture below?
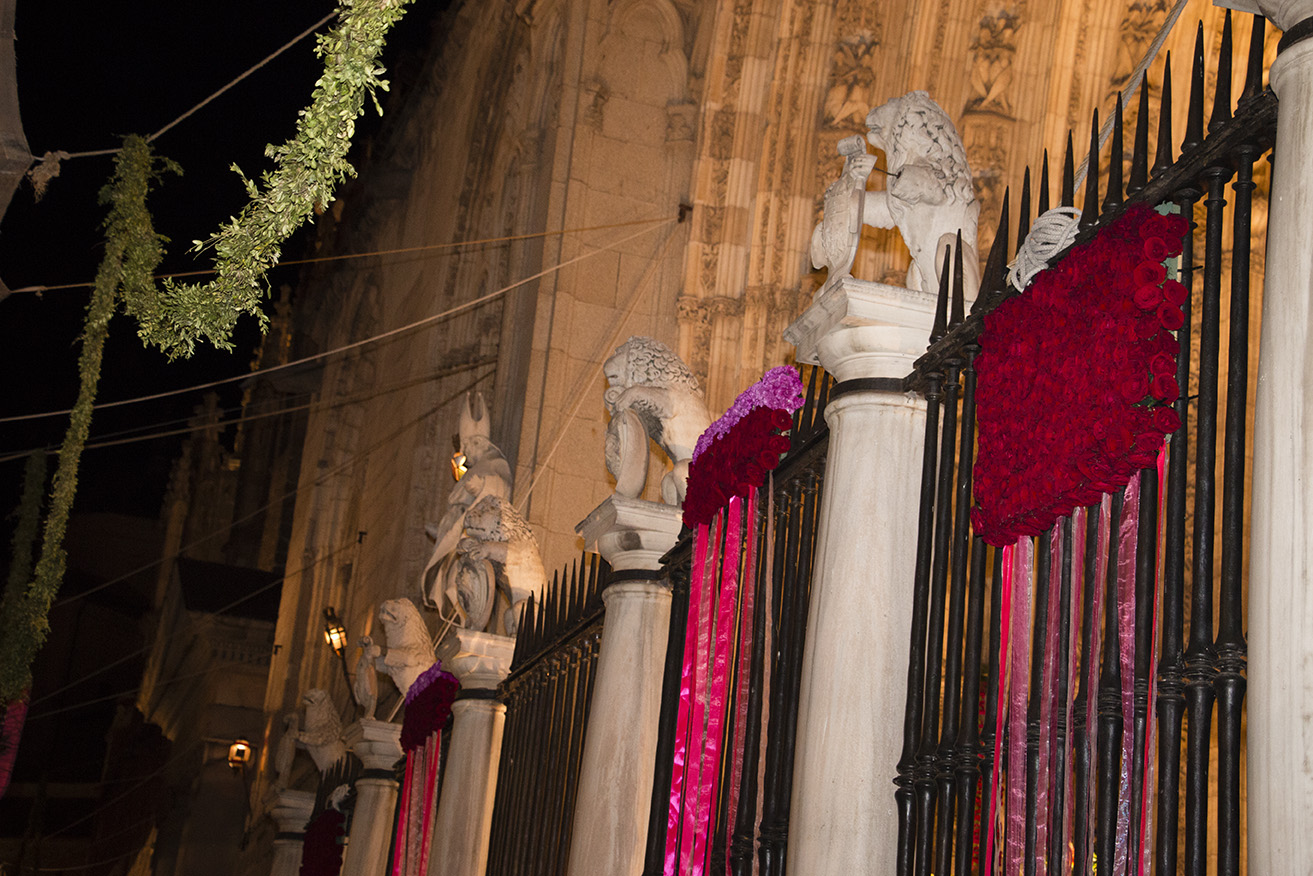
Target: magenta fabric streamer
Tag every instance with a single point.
(402, 853)
(1047, 696)
(11, 730)
(722, 638)
(1151, 727)
(1004, 592)
(746, 621)
(1128, 538)
(684, 718)
(1015, 842)
(768, 634)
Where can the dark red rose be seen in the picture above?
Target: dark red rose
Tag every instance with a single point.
(1149, 273)
(1166, 420)
(1156, 249)
(1163, 363)
(1134, 387)
(1170, 317)
(1175, 293)
(1164, 387)
(1148, 297)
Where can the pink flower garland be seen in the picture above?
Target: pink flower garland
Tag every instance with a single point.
(1076, 378)
(735, 452)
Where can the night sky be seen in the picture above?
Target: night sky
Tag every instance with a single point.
(87, 75)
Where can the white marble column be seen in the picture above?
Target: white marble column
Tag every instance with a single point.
(854, 669)
(378, 746)
(291, 812)
(615, 777)
(464, 821)
(1280, 671)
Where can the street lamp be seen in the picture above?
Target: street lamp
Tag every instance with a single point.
(239, 755)
(336, 637)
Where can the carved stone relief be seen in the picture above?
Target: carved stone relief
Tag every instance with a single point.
(992, 52)
(1137, 30)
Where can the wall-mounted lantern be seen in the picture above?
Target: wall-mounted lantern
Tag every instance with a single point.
(239, 755)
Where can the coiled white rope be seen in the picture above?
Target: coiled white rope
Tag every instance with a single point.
(1052, 232)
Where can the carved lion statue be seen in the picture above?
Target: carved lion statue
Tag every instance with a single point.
(410, 650)
(497, 533)
(929, 197)
(651, 394)
(322, 735)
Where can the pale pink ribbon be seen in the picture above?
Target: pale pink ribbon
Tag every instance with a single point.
(1003, 590)
(1151, 727)
(1047, 695)
(1092, 673)
(1128, 540)
(1077, 564)
(1015, 842)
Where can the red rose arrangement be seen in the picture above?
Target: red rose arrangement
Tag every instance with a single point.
(735, 452)
(1076, 378)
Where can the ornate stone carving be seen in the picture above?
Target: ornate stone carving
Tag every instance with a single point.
(322, 735)
(835, 238)
(652, 395)
(487, 474)
(929, 197)
(366, 681)
(1138, 27)
(993, 50)
(410, 650)
(852, 80)
(497, 556)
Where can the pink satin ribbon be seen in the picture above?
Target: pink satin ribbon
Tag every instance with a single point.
(1003, 590)
(1077, 562)
(1092, 671)
(1048, 696)
(1151, 727)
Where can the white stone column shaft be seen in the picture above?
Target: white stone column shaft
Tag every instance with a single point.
(854, 672)
(615, 777)
(1280, 819)
(615, 773)
(291, 812)
(463, 824)
(378, 745)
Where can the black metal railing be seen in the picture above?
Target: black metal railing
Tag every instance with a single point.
(547, 694)
(945, 778)
(758, 827)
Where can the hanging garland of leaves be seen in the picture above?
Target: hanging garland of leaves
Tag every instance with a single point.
(132, 252)
(308, 168)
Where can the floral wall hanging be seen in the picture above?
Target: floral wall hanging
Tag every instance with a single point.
(1054, 432)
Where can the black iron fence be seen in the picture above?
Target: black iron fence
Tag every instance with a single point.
(947, 776)
(547, 695)
(759, 764)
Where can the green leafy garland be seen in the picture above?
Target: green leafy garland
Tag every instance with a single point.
(132, 252)
(307, 170)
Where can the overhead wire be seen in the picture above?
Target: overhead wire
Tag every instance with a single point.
(420, 323)
(135, 434)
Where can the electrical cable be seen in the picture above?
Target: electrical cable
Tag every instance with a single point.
(87, 284)
(420, 323)
(131, 436)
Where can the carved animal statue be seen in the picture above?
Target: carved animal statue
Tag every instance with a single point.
(286, 751)
(366, 681)
(835, 238)
(651, 394)
(487, 474)
(322, 735)
(929, 196)
(410, 651)
(496, 532)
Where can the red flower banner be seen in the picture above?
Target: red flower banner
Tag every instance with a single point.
(1076, 378)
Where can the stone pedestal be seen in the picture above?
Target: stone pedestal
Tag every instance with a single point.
(464, 821)
(1281, 543)
(615, 779)
(378, 746)
(290, 810)
(854, 670)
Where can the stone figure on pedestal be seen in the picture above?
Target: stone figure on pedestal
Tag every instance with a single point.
(487, 473)
(366, 681)
(322, 735)
(286, 751)
(652, 395)
(929, 196)
(410, 651)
